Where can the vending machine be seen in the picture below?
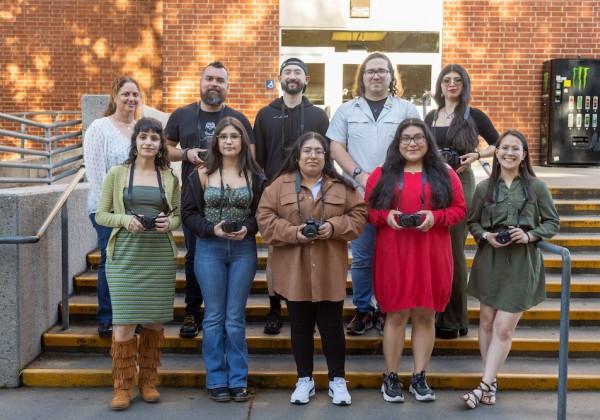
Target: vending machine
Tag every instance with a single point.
(570, 131)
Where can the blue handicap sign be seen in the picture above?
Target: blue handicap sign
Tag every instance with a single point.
(269, 84)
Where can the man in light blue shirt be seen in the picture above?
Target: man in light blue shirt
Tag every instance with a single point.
(361, 131)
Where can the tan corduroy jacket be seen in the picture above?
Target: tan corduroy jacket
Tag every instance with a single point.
(315, 271)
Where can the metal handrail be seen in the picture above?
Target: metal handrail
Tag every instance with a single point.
(59, 206)
(48, 141)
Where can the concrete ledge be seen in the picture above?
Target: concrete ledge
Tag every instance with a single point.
(31, 274)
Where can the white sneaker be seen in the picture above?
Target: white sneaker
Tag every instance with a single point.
(339, 392)
(305, 388)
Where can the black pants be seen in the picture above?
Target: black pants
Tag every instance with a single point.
(193, 295)
(328, 317)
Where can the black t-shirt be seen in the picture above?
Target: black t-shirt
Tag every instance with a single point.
(192, 129)
(376, 107)
(483, 123)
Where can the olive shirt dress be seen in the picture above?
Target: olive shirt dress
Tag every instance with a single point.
(511, 278)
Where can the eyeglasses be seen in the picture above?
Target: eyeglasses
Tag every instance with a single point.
(419, 139)
(456, 80)
(307, 151)
(232, 136)
(379, 72)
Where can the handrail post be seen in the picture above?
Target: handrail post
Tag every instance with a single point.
(64, 218)
(563, 354)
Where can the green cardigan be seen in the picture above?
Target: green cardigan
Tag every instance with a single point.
(111, 208)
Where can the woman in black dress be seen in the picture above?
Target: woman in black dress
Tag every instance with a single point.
(456, 127)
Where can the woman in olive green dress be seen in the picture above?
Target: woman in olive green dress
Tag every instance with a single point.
(139, 201)
(510, 212)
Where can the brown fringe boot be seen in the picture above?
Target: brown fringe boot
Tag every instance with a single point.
(123, 369)
(149, 361)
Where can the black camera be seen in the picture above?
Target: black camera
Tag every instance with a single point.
(409, 220)
(451, 156)
(202, 155)
(149, 223)
(503, 236)
(311, 228)
(230, 226)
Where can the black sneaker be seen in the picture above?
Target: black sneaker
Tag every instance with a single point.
(463, 331)
(239, 394)
(361, 322)
(392, 388)
(273, 324)
(189, 329)
(446, 333)
(379, 321)
(219, 394)
(420, 389)
(105, 330)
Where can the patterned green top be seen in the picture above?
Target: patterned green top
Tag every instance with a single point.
(236, 203)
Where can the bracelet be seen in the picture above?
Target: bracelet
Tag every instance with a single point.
(528, 237)
(184, 156)
(478, 155)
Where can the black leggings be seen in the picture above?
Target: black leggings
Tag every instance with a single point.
(328, 317)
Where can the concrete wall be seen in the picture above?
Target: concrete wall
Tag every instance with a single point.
(31, 274)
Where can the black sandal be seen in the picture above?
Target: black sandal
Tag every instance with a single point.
(472, 398)
(489, 397)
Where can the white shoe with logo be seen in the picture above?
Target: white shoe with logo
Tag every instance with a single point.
(305, 388)
(339, 392)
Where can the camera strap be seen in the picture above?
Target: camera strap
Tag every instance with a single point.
(299, 189)
(400, 185)
(283, 123)
(129, 194)
(200, 129)
(222, 200)
(495, 199)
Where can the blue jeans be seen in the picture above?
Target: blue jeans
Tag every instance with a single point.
(104, 313)
(193, 295)
(225, 270)
(362, 269)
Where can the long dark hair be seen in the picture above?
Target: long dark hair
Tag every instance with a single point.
(358, 89)
(434, 169)
(144, 125)
(525, 169)
(117, 84)
(290, 164)
(462, 133)
(246, 161)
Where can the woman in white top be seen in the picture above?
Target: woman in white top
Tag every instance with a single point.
(106, 144)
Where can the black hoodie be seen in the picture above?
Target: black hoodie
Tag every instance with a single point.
(273, 141)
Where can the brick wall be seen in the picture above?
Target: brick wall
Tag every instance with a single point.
(244, 34)
(503, 44)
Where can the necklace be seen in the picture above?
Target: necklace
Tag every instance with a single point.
(447, 115)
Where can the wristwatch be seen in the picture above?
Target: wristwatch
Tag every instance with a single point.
(485, 235)
(184, 156)
(356, 172)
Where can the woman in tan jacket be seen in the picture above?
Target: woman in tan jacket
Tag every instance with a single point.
(308, 215)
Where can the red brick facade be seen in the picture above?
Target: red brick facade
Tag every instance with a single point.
(53, 51)
(503, 44)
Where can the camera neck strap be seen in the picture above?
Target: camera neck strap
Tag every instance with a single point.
(299, 189)
(283, 119)
(400, 185)
(495, 200)
(228, 198)
(200, 129)
(129, 194)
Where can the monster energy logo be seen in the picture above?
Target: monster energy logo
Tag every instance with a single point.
(580, 76)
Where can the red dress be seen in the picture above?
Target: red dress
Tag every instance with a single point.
(413, 269)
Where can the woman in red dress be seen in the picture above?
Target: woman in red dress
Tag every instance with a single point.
(413, 200)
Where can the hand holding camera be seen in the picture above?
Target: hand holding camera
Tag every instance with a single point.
(135, 226)
(236, 235)
(161, 223)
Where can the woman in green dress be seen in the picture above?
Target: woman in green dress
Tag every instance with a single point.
(138, 201)
(511, 211)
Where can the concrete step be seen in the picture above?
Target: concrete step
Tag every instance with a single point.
(528, 340)
(580, 224)
(575, 193)
(582, 310)
(362, 371)
(574, 207)
(584, 262)
(581, 284)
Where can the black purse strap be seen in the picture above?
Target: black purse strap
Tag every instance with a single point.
(129, 194)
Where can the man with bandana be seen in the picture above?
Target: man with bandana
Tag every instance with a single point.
(193, 126)
(276, 128)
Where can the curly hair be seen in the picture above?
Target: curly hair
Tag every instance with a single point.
(144, 125)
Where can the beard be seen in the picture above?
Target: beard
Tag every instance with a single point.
(293, 90)
(212, 97)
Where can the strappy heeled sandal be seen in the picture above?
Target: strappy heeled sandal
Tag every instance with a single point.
(489, 397)
(472, 398)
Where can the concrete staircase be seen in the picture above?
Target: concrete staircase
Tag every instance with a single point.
(79, 358)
